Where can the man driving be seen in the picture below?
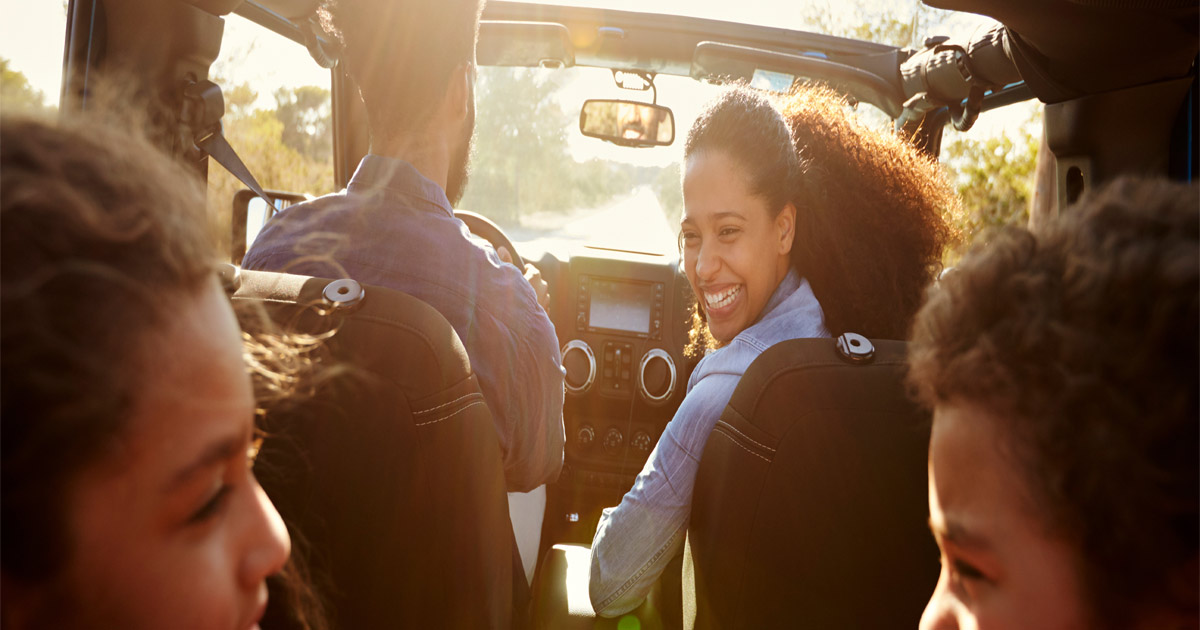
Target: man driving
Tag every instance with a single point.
(394, 226)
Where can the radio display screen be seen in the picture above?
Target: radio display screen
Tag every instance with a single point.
(623, 306)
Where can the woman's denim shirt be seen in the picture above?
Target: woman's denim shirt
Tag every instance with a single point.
(635, 540)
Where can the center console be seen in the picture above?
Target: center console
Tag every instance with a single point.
(625, 370)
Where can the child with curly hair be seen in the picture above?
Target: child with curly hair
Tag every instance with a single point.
(1061, 367)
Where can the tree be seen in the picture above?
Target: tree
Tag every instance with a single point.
(521, 164)
(17, 94)
(520, 143)
(994, 177)
(307, 116)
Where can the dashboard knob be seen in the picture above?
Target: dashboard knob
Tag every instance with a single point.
(641, 442)
(585, 436)
(580, 365)
(613, 440)
(656, 376)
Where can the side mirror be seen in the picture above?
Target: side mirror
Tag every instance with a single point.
(250, 214)
(627, 123)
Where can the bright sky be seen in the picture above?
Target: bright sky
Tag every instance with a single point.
(32, 34)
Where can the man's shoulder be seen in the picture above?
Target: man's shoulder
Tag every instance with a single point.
(367, 218)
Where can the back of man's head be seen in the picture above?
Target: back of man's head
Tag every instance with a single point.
(401, 54)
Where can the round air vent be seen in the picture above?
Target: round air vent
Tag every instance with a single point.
(580, 364)
(656, 376)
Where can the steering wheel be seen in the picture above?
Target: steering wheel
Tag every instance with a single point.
(483, 227)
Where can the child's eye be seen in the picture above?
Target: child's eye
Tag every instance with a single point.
(967, 570)
(211, 507)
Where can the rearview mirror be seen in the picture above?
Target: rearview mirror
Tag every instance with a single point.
(627, 123)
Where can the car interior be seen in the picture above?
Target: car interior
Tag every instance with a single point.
(810, 500)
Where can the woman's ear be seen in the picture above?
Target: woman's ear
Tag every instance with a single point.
(785, 224)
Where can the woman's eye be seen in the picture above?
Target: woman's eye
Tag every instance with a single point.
(688, 238)
(729, 231)
(212, 506)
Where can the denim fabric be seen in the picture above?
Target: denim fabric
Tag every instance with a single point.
(635, 540)
(394, 228)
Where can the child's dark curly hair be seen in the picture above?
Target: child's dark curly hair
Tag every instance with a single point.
(1084, 338)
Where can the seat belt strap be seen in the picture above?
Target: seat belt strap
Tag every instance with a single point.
(217, 147)
(203, 107)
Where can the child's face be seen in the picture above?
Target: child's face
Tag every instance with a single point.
(170, 529)
(1001, 566)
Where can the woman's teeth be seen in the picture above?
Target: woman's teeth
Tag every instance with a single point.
(723, 298)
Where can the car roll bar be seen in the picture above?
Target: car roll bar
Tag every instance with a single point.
(946, 74)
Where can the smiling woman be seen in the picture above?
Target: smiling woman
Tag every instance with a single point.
(128, 409)
(789, 231)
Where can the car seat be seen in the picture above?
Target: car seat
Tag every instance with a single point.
(810, 505)
(390, 478)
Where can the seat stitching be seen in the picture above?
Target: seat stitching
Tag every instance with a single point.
(731, 427)
(741, 446)
(424, 411)
(421, 424)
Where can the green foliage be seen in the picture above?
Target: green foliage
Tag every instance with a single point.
(520, 145)
(307, 116)
(995, 177)
(17, 94)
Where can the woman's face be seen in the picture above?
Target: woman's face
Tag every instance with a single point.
(734, 252)
(171, 530)
(1001, 568)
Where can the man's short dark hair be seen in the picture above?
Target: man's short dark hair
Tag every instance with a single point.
(1084, 338)
(401, 54)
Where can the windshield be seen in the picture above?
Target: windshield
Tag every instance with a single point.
(535, 174)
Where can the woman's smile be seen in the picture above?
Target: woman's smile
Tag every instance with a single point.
(722, 300)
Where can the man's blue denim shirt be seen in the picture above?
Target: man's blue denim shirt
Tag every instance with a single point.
(393, 227)
(635, 540)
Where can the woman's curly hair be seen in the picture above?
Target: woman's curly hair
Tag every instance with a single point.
(1083, 337)
(870, 216)
(870, 207)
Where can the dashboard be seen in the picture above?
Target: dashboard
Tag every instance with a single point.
(622, 320)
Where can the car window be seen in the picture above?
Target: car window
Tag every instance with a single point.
(278, 116)
(31, 55)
